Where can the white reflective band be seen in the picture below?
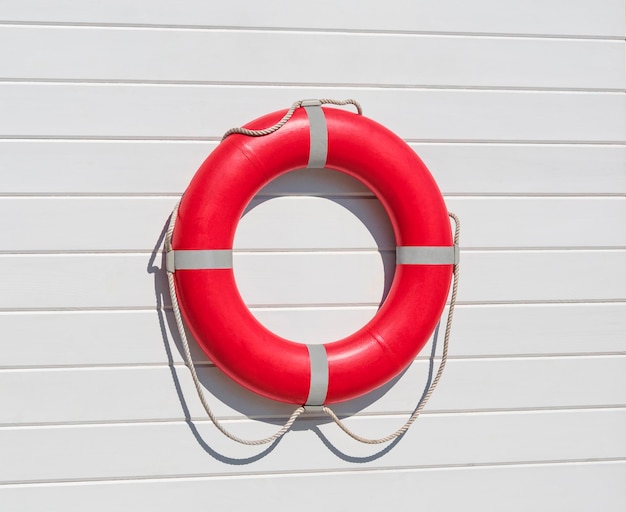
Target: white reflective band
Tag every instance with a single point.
(319, 375)
(198, 260)
(318, 145)
(423, 255)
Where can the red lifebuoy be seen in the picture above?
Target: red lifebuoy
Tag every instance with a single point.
(203, 238)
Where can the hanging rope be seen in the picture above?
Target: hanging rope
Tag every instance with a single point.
(431, 389)
(188, 361)
(297, 412)
(287, 117)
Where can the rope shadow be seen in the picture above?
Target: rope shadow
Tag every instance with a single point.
(162, 295)
(375, 456)
(166, 323)
(361, 211)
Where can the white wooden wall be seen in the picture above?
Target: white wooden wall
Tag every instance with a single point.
(107, 109)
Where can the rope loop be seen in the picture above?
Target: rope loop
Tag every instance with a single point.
(444, 357)
(189, 362)
(298, 411)
(287, 117)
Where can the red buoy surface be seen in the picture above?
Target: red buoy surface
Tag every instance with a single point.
(217, 315)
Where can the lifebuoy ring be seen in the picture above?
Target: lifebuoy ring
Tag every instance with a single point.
(201, 257)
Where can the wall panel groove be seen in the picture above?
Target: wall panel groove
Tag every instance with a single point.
(517, 108)
(587, 18)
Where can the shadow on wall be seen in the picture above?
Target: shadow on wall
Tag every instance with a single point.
(245, 402)
(361, 210)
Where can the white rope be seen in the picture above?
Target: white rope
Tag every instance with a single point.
(188, 361)
(287, 117)
(327, 410)
(444, 358)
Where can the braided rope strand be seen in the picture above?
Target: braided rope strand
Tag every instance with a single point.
(431, 389)
(287, 117)
(330, 101)
(189, 362)
(297, 412)
(327, 410)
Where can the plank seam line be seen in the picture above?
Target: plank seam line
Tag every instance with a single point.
(591, 461)
(156, 138)
(285, 84)
(313, 30)
(325, 195)
(240, 251)
(208, 364)
(360, 195)
(495, 302)
(317, 251)
(256, 418)
(467, 304)
(517, 142)
(483, 303)
(325, 251)
(438, 142)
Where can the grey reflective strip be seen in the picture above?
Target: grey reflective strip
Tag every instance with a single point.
(319, 375)
(198, 260)
(318, 146)
(423, 255)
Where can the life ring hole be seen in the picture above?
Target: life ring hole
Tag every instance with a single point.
(314, 255)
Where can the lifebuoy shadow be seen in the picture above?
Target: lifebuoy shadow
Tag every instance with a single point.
(245, 402)
(348, 193)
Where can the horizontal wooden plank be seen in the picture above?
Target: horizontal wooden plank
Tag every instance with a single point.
(353, 276)
(520, 169)
(128, 280)
(584, 17)
(198, 111)
(162, 167)
(84, 395)
(508, 222)
(489, 276)
(126, 383)
(69, 338)
(575, 487)
(174, 449)
(311, 223)
(112, 54)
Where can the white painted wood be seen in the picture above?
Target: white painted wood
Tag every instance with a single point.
(200, 111)
(522, 169)
(310, 223)
(523, 222)
(362, 277)
(84, 395)
(83, 338)
(123, 280)
(307, 223)
(162, 167)
(558, 17)
(337, 58)
(106, 111)
(539, 329)
(162, 449)
(556, 487)
(553, 274)
(487, 276)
